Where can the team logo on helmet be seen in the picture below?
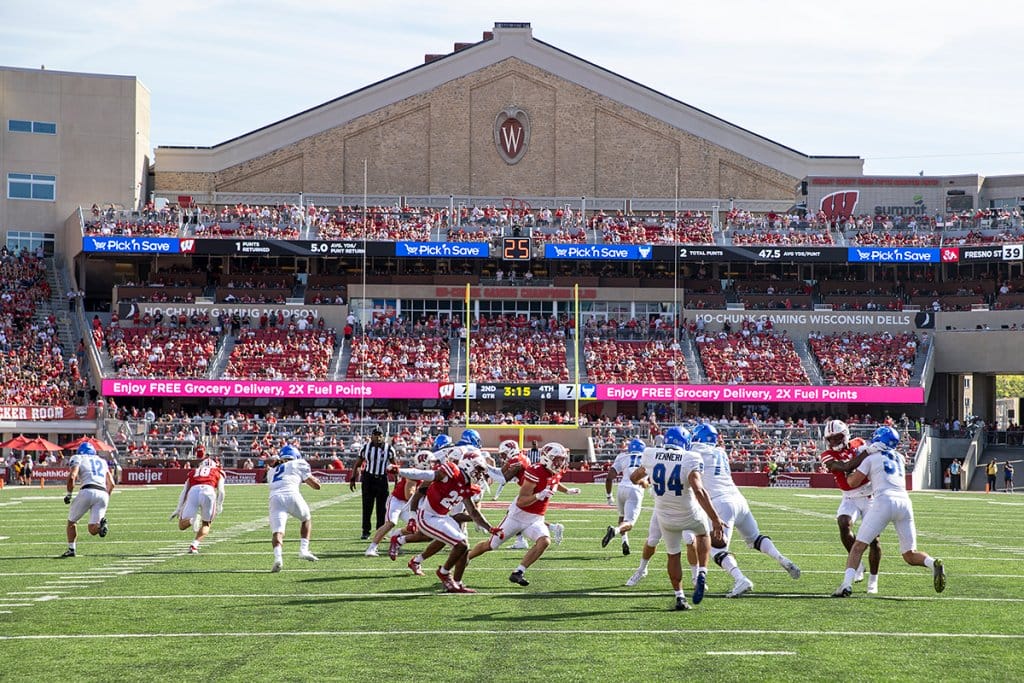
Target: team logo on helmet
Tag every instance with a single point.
(887, 436)
(677, 437)
(554, 456)
(705, 433)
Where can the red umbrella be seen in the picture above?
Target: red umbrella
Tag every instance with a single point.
(40, 444)
(100, 446)
(16, 442)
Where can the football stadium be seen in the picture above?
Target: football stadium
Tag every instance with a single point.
(512, 344)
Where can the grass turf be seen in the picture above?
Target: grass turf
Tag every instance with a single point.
(134, 606)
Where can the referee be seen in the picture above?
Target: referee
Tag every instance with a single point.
(374, 460)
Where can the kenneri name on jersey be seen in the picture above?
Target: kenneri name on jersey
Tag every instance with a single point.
(669, 471)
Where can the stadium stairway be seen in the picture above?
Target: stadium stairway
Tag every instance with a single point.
(60, 309)
(339, 366)
(220, 360)
(694, 368)
(808, 362)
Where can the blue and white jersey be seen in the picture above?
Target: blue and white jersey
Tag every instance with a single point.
(287, 476)
(887, 470)
(717, 475)
(625, 464)
(669, 470)
(92, 469)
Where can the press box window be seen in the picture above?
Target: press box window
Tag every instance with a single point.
(31, 186)
(42, 127)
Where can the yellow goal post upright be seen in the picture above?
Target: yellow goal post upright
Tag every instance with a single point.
(521, 428)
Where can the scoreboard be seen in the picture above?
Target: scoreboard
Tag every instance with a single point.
(505, 390)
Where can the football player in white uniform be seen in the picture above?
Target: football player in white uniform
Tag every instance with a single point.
(93, 497)
(681, 504)
(732, 507)
(631, 496)
(290, 472)
(887, 469)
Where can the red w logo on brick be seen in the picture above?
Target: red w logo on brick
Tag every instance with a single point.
(839, 204)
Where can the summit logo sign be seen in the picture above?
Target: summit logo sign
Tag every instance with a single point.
(512, 134)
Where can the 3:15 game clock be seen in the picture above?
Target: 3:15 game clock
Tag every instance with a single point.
(516, 249)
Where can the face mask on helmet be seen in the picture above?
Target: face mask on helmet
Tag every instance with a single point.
(474, 467)
(507, 449)
(837, 433)
(554, 457)
(470, 437)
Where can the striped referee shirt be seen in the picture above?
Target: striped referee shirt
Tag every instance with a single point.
(533, 456)
(376, 458)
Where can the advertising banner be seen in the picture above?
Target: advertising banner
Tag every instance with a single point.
(242, 388)
(40, 413)
(722, 253)
(768, 393)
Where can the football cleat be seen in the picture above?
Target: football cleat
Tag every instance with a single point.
(276, 566)
(517, 577)
(520, 543)
(872, 589)
(939, 576)
(637, 577)
(557, 533)
(460, 588)
(371, 552)
(608, 536)
(306, 555)
(859, 576)
(446, 580)
(681, 605)
(68, 553)
(698, 589)
(625, 547)
(742, 585)
(794, 571)
(103, 527)
(843, 592)
(393, 547)
(415, 567)
(192, 550)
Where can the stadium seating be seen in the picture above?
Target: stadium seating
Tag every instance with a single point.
(281, 354)
(518, 354)
(159, 351)
(401, 358)
(640, 362)
(879, 359)
(750, 357)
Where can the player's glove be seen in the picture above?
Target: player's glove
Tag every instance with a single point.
(67, 499)
(496, 531)
(544, 494)
(610, 499)
(573, 491)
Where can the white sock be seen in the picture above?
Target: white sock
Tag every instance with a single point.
(195, 544)
(418, 559)
(848, 577)
(872, 580)
(277, 553)
(71, 545)
(643, 565)
(702, 570)
(729, 565)
(680, 593)
(625, 537)
(373, 546)
(616, 530)
(401, 540)
(304, 545)
(769, 549)
(521, 569)
(929, 562)
(444, 572)
(693, 572)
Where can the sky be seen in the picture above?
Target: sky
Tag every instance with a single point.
(909, 86)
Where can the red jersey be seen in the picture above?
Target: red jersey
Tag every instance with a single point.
(843, 455)
(524, 464)
(451, 489)
(542, 478)
(401, 486)
(209, 476)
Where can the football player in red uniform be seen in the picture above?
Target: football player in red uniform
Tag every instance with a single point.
(201, 499)
(453, 484)
(856, 499)
(526, 514)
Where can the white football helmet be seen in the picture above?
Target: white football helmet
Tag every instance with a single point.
(207, 462)
(473, 466)
(507, 449)
(835, 428)
(423, 459)
(554, 456)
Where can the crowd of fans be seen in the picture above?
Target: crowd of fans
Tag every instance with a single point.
(866, 359)
(297, 352)
(33, 367)
(521, 354)
(750, 356)
(400, 358)
(160, 350)
(625, 362)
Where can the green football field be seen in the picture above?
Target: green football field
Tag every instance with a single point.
(135, 606)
